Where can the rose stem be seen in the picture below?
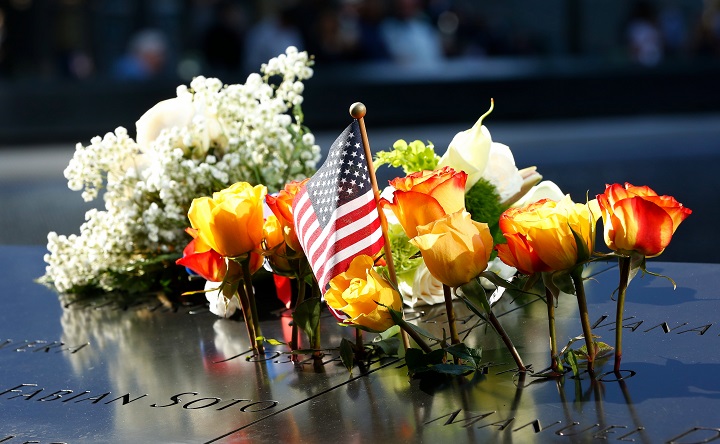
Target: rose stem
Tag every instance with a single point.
(551, 327)
(624, 264)
(247, 276)
(576, 275)
(454, 338)
(506, 340)
(234, 274)
(295, 344)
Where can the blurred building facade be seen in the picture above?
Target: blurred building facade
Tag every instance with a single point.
(137, 40)
(70, 69)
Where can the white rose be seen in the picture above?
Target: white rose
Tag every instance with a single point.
(218, 304)
(176, 112)
(544, 190)
(426, 290)
(179, 112)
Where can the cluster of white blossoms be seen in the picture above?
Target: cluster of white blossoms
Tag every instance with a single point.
(208, 137)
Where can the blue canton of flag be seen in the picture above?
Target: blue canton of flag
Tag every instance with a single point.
(335, 214)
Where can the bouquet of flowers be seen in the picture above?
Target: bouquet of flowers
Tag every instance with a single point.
(236, 162)
(208, 137)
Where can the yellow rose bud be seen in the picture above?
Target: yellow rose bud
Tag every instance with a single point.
(231, 222)
(456, 249)
(357, 293)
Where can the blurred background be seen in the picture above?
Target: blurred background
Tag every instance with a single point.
(590, 91)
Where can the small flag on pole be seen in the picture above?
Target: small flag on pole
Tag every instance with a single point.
(336, 216)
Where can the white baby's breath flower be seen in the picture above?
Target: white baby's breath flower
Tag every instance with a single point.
(210, 136)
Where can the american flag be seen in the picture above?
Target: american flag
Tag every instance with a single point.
(335, 214)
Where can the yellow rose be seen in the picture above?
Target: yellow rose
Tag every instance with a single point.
(231, 222)
(456, 249)
(357, 293)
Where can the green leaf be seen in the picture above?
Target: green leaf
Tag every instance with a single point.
(472, 355)
(603, 349)
(475, 293)
(389, 347)
(571, 359)
(583, 253)
(347, 354)
(390, 332)
(558, 282)
(451, 369)
(397, 318)
(417, 361)
(271, 341)
(307, 317)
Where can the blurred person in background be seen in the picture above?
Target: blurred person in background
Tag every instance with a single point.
(410, 37)
(222, 41)
(643, 34)
(271, 35)
(707, 34)
(145, 59)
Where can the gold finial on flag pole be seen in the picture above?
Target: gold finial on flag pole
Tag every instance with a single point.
(358, 111)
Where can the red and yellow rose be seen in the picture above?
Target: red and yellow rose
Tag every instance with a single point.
(636, 219)
(547, 235)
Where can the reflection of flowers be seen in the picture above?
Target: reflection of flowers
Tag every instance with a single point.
(359, 293)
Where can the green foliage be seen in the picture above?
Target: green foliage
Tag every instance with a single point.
(412, 157)
(482, 201)
(420, 364)
(347, 354)
(307, 317)
(405, 254)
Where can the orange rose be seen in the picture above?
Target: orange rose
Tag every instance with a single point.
(426, 196)
(274, 246)
(542, 236)
(637, 219)
(281, 206)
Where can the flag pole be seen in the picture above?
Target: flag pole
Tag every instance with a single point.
(358, 111)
